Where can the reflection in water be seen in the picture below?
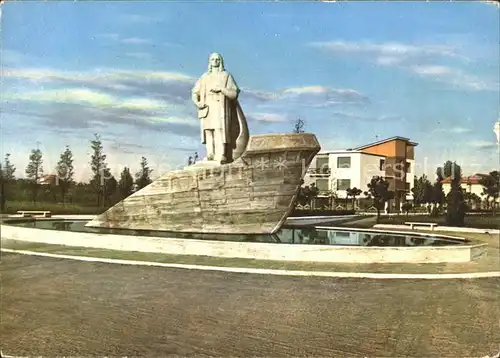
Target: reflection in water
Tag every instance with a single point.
(287, 235)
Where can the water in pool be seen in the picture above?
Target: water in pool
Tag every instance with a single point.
(287, 235)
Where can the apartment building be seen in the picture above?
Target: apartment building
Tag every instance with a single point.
(392, 158)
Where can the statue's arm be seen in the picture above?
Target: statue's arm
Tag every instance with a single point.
(231, 90)
(195, 95)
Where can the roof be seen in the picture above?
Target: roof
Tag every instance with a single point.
(473, 179)
(385, 141)
(347, 151)
(47, 179)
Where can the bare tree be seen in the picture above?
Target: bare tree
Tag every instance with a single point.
(298, 127)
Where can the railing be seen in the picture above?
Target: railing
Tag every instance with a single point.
(319, 171)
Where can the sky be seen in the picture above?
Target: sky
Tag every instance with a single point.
(353, 71)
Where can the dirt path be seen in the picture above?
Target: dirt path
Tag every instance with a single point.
(55, 307)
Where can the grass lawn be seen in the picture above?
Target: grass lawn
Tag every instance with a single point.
(486, 221)
(11, 207)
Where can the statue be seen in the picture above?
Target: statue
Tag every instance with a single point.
(224, 130)
(232, 190)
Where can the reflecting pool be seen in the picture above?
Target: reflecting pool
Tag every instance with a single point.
(287, 235)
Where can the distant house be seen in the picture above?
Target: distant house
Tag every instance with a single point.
(48, 179)
(469, 184)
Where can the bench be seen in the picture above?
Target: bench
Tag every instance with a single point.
(25, 213)
(413, 224)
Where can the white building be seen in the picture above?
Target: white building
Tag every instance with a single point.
(339, 170)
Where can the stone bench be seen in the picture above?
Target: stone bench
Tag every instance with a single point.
(413, 224)
(26, 213)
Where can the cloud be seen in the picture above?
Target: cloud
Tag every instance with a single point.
(456, 78)
(139, 19)
(109, 36)
(350, 117)
(267, 117)
(10, 57)
(171, 44)
(135, 41)
(259, 96)
(322, 96)
(158, 84)
(459, 130)
(156, 101)
(394, 51)
(139, 55)
(149, 100)
(483, 145)
(416, 59)
(125, 40)
(432, 70)
(92, 98)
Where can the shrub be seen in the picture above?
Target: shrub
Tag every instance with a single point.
(406, 207)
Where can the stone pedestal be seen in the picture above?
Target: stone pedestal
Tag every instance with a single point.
(252, 195)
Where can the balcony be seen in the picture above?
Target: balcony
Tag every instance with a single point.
(319, 171)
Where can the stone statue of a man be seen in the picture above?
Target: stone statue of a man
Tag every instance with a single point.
(223, 124)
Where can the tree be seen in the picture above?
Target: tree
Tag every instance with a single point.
(306, 194)
(437, 196)
(353, 193)
(65, 172)
(378, 191)
(422, 190)
(406, 207)
(2, 190)
(143, 177)
(456, 206)
(298, 127)
(8, 169)
(331, 197)
(472, 199)
(7, 178)
(99, 169)
(313, 195)
(109, 188)
(34, 171)
(125, 184)
(491, 187)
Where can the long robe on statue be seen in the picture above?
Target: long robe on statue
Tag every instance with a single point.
(223, 113)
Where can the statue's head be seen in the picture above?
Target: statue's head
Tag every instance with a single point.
(215, 61)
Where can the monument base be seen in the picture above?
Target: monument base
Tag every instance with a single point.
(252, 195)
(203, 164)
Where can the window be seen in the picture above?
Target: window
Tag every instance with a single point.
(343, 162)
(408, 167)
(322, 165)
(343, 184)
(322, 184)
(407, 186)
(382, 164)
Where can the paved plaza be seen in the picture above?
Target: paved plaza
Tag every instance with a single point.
(61, 307)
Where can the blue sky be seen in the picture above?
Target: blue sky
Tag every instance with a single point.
(352, 70)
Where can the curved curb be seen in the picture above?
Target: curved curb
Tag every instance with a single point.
(268, 251)
(264, 271)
